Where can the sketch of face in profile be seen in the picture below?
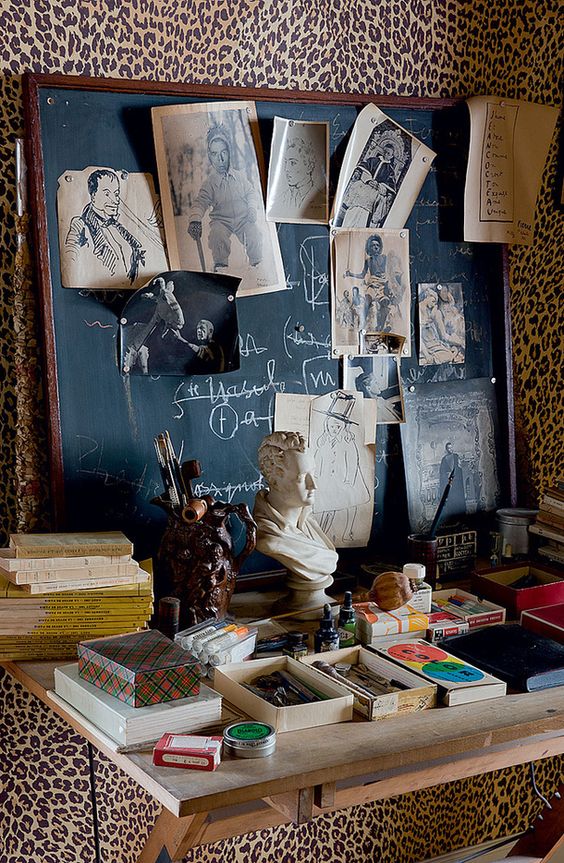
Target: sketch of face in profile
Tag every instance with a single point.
(105, 194)
(299, 165)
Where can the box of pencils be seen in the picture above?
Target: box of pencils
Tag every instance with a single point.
(475, 611)
(380, 687)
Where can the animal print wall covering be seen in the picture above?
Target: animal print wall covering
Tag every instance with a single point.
(409, 47)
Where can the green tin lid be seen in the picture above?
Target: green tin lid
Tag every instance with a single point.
(249, 734)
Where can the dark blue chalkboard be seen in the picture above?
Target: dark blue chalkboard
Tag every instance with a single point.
(107, 472)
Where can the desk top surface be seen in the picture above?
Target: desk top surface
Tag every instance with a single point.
(337, 752)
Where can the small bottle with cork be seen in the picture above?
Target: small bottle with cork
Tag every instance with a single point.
(422, 592)
(347, 622)
(326, 638)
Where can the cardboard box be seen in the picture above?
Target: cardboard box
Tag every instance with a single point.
(337, 708)
(547, 621)
(421, 695)
(188, 751)
(372, 622)
(495, 584)
(491, 613)
(140, 668)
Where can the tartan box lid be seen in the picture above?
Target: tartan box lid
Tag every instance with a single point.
(139, 668)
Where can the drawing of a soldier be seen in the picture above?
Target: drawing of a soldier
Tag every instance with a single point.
(232, 202)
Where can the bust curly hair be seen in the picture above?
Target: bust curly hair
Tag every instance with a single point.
(272, 452)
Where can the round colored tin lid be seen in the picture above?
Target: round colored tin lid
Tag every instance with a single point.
(247, 735)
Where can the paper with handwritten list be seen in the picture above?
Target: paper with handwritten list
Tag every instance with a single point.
(509, 142)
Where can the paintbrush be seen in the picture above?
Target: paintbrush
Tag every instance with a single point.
(441, 506)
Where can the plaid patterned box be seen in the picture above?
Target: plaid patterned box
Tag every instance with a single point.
(140, 668)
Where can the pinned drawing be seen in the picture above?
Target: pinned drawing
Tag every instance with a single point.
(509, 145)
(382, 172)
(450, 428)
(208, 157)
(298, 177)
(377, 379)
(344, 468)
(371, 292)
(111, 234)
(442, 329)
(181, 324)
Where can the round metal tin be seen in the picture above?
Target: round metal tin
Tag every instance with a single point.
(249, 739)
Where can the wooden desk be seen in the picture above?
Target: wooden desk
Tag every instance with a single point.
(320, 770)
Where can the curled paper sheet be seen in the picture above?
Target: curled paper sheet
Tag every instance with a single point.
(382, 172)
(209, 159)
(298, 177)
(509, 143)
(111, 234)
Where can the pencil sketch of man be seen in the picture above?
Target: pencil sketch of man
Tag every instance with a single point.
(208, 350)
(97, 234)
(299, 166)
(232, 202)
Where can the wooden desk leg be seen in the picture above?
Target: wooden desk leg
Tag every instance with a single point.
(172, 835)
(297, 806)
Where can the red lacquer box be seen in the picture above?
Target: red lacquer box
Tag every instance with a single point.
(507, 585)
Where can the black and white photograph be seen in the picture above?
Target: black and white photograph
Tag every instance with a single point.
(371, 291)
(111, 233)
(382, 172)
(181, 323)
(442, 328)
(451, 429)
(210, 164)
(298, 176)
(377, 378)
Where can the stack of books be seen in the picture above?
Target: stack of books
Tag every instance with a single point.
(549, 524)
(59, 589)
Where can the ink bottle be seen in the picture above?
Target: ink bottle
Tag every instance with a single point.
(347, 622)
(296, 645)
(422, 592)
(326, 637)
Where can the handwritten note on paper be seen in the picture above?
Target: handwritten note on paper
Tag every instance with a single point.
(509, 143)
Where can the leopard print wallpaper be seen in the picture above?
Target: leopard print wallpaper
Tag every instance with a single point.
(408, 47)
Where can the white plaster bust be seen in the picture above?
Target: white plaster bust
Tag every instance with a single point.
(286, 528)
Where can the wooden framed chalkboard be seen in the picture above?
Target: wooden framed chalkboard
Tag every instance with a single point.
(102, 423)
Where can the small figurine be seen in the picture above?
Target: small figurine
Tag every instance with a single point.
(286, 528)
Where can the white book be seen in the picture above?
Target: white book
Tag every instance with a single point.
(458, 682)
(47, 576)
(130, 725)
(10, 563)
(139, 577)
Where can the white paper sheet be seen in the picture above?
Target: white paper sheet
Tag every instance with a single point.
(382, 173)
(298, 175)
(209, 159)
(111, 234)
(509, 142)
(341, 430)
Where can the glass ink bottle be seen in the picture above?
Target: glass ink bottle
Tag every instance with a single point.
(422, 592)
(347, 622)
(296, 645)
(326, 637)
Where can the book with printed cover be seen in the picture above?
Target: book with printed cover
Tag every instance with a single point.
(112, 542)
(458, 681)
(34, 565)
(15, 593)
(89, 582)
(128, 725)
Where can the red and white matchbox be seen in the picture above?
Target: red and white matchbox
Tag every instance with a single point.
(187, 750)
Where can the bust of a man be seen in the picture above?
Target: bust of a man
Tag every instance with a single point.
(286, 528)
